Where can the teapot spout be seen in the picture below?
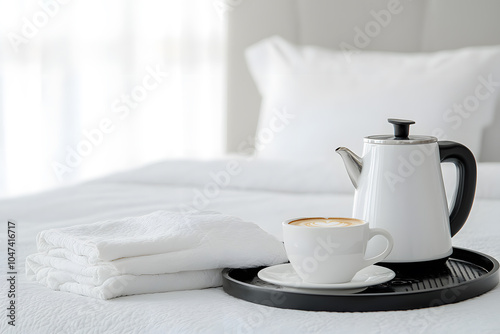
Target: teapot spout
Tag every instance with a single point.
(353, 164)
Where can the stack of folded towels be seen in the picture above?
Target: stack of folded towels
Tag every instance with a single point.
(159, 252)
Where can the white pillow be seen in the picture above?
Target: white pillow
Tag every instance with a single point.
(315, 99)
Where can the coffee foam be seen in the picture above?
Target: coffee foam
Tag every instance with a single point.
(327, 222)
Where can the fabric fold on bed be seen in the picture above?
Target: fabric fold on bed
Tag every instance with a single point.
(159, 252)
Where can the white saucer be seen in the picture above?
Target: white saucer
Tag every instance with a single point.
(285, 275)
(328, 292)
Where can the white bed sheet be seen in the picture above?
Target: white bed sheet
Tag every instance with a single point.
(265, 193)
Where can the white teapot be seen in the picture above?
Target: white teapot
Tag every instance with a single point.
(399, 187)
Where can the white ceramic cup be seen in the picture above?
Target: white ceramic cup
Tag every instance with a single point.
(331, 251)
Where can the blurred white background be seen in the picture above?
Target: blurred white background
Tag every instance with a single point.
(92, 87)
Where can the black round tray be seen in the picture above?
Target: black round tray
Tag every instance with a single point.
(466, 274)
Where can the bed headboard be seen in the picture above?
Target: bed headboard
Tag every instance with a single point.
(422, 25)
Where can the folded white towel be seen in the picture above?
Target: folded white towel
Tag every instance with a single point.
(123, 285)
(150, 253)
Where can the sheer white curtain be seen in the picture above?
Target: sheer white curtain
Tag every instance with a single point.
(91, 87)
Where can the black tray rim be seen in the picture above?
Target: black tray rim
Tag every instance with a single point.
(475, 287)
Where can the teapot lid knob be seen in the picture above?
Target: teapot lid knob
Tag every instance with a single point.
(401, 127)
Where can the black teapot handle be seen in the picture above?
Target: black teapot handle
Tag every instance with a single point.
(465, 162)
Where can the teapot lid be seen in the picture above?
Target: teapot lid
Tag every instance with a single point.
(401, 135)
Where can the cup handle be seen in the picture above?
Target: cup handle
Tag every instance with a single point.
(388, 249)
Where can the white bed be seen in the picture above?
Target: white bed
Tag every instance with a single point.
(263, 191)
(167, 186)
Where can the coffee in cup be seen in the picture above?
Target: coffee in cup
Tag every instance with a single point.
(330, 250)
(327, 222)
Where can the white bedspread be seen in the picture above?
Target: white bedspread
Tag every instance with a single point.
(264, 193)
